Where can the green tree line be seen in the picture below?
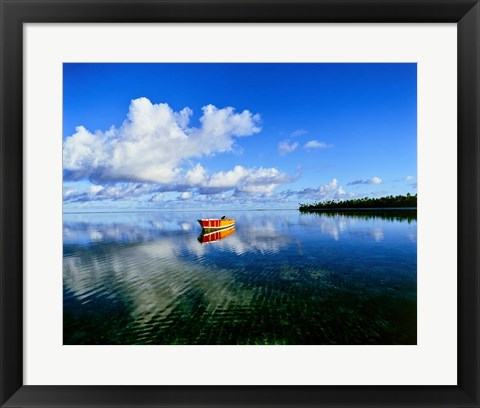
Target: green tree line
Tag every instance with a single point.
(399, 201)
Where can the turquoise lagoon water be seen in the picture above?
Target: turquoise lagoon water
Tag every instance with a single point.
(282, 277)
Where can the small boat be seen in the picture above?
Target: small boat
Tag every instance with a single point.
(211, 224)
(209, 237)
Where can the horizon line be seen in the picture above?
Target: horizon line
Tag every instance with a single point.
(170, 210)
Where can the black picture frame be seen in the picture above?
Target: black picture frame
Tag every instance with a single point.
(14, 13)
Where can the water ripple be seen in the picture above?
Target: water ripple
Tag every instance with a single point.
(280, 278)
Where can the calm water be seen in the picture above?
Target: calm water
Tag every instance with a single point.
(282, 277)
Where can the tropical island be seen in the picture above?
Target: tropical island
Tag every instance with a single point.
(389, 202)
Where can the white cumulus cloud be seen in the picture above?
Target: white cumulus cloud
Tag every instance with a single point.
(117, 191)
(243, 180)
(326, 188)
(153, 143)
(284, 147)
(315, 144)
(373, 180)
(299, 132)
(196, 176)
(328, 191)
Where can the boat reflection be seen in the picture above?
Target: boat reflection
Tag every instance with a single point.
(206, 238)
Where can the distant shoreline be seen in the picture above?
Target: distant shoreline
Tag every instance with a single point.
(399, 202)
(340, 209)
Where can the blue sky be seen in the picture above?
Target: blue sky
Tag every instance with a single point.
(180, 136)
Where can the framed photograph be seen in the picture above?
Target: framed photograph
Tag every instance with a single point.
(216, 203)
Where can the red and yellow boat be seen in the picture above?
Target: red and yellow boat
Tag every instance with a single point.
(212, 224)
(217, 235)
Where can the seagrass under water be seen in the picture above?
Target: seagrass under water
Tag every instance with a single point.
(282, 277)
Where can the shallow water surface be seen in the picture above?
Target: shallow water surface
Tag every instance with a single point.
(281, 277)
